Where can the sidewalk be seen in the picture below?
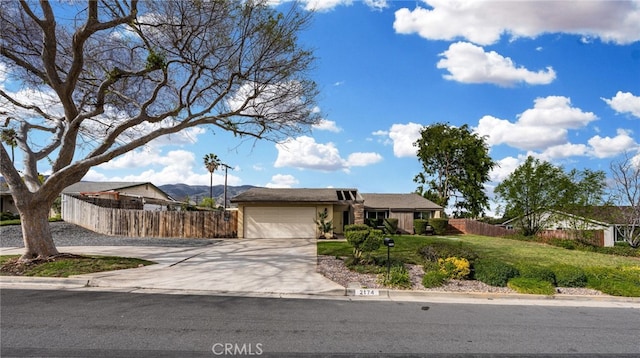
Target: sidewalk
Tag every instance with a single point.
(260, 268)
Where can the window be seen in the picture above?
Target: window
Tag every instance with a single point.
(422, 215)
(376, 214)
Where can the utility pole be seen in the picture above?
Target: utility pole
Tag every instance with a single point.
(225, 185)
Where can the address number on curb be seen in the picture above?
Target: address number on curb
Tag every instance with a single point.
(366, 292)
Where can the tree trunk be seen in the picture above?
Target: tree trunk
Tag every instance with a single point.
(36, 233)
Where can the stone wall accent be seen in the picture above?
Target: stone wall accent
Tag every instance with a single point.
(358, 213)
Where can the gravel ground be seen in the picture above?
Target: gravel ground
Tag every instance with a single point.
(335, 270)
(65, 234)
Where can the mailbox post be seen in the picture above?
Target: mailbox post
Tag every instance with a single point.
(389, 244)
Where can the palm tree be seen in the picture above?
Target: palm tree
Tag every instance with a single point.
(8, 136)
(212, 162)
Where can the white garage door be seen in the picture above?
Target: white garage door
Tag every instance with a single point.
(279, 222)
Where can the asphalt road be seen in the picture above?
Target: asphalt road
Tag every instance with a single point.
(110, 324)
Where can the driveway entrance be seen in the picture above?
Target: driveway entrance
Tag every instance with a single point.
(229, 266)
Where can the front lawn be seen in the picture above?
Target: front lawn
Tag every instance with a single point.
(67, 265)
(603, 271)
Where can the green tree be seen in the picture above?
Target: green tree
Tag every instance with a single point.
(113, 76)
(455, 163)
(212, 162)
(537, 189)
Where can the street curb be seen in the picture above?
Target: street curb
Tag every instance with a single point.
(347, 292)
(54, 281)
(402, 294)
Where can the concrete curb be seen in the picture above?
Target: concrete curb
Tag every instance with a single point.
(493, 298)
(95, 284)
(45, 281)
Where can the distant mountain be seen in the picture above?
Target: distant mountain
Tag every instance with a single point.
(196, 193)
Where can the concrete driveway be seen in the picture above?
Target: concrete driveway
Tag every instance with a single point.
(239, 266)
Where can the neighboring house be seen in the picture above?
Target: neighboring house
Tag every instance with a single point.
(404, 207)
(6, 200)
(605, 218)
(143, 194)
(291, 213)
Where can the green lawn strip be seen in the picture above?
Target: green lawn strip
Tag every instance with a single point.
(615, 275)
(18, 222)
(66, 267)
(522, 252)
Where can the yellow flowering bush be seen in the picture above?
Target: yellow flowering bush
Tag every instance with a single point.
(455, 267)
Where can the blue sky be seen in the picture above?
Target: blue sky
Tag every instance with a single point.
(558, 80)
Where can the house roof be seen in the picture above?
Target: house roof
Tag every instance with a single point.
(96, 187)
(332, 195)
(411, 201)
(290, 195)
(604, 215)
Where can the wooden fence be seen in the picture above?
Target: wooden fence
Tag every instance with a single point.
(143, 223)
(469, 226)
(590, 237)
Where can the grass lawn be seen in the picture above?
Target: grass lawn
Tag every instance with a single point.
(66, 266)
(511, 251)
(602, 269)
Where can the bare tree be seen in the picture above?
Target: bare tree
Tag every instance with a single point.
(626, 191)
(102, 78)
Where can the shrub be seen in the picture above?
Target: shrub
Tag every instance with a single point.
(531, 286)
(537, 272)
(564, 243)
(363, 239)
(494, 272)
(398, 277)
(623, 281)
(356, 227)
(455, 267)
(391, 225)
(324, 226)
(620, 249)
(439, 226)
(434, 278)
(7, 215)
(420, 226)
(373, 223)
(569, 276)
(442, 250)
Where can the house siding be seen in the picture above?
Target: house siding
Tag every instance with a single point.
(405, 221)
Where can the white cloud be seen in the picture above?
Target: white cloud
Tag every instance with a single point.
(625, 102)
(360, 159)
(282, 181)
(327, 5)
(403, 137)
(377, 4)
(606, 147)
(501, 131)
(504, 167)
(562, 151)
(485, 21)
(543, 126)
(177, 166)
(468, 63)
(555, 112)
(327, 125)
(305, 153)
